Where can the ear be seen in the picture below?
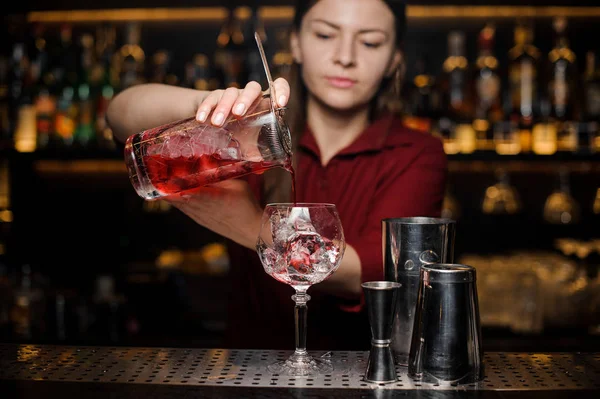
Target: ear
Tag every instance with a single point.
(395, 63)
(295, 47)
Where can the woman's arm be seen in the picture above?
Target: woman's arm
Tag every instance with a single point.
(228, 208)
(148, 105)
(152, 104)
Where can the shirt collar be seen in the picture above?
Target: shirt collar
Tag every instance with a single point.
(372, 139)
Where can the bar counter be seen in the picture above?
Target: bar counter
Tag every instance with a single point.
(35, 371)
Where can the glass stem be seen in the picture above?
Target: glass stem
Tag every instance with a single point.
(300, 298)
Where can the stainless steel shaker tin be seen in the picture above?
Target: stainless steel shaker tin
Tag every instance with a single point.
(446, 342)
(408, 244)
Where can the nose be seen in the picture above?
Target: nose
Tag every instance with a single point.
(345, 51)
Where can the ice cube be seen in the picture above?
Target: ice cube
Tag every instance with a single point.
(303, 225)
(208, 139)
(304, 249)
(170, 149)
(282, 230)
(270, 259)
(175, 146)
(229, 153)
(187, 150)
(155, 149)
(300, 217)
(326, 258)
(286, 225)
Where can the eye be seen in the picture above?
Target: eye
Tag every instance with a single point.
(371, 44)
(322, 36)
(372, 40)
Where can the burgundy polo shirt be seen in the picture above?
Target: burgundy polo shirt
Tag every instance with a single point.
(388, 171)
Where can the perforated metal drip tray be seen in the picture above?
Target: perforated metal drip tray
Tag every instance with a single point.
(248, 368)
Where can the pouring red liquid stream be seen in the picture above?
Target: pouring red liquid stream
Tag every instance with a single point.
(288, 166)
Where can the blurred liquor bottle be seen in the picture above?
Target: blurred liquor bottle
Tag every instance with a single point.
(544, 133)
(84, 135)
(161, 70)
(6, 215)
(591, 109)
(37, 50)
(105, 83)
(22, 111)
(282, 58)
(66, 65)
(457, 102)
(6, 219)
(5, 133)
(27, 314)
(523, 77)
(487, 87)
(254, 70)
(45, 91)
(507, 139)
(562, 87)
(131, 57)
(230, 53)
(198, 74)
(423, 99)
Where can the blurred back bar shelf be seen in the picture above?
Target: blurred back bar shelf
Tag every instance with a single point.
(82, 164)
(286, 13)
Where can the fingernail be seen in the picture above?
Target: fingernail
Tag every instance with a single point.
(282, 100)
(218, 119)
(239, 109)
(201, 116)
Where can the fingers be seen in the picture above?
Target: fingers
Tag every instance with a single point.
(208, 104)
(223, 108)
(222, 103)
(282, 91)
(246, 98)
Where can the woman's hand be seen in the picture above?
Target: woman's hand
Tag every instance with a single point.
(228, 208)
(237, 101)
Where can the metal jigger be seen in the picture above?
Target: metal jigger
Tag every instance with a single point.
(380, 298)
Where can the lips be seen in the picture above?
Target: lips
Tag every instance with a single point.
(340, 82)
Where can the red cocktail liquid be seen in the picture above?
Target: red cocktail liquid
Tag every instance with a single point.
(180, 174)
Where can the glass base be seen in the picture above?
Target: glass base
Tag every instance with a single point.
(301, 365)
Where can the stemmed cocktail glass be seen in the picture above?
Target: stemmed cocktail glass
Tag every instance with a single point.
(301, 244)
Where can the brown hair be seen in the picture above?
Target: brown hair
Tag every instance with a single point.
(277, 182)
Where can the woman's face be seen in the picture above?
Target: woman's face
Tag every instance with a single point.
(346, 47)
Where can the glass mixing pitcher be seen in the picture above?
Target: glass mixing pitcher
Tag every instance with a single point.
(185, 155)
